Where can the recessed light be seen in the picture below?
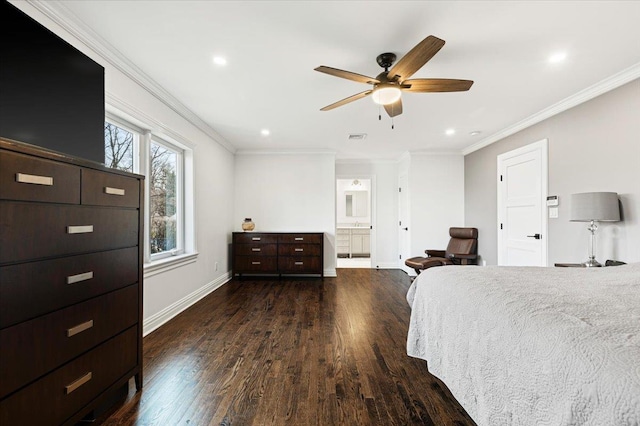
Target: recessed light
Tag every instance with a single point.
(475, 133)
(265, 132)
(219, 60)
(450, 132)
(557, 57)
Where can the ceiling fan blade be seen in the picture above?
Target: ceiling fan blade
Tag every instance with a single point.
(421, 85)
(394, 108)
(347, 74)
(416, 58)
(347, 100)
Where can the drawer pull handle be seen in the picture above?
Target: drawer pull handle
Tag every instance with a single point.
(113, 191)
(299, 238)
(255, 239)
(79, 382)
(34, 179)
(79, 229)
(79, 328)
(71, 279)
(299, 249)
(299, 263)
(256, 249)
(255, 263)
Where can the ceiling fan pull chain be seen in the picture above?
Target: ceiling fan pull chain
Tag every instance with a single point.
(379, 112)
(392, 125)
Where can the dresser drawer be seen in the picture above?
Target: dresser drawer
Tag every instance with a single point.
(252, 237)
(31, 289)
(299, 249)
(34, 179)
(106, 189)
(256, 249)
(300, 238)
(250, 264)
(36, 231)
(62, 393)
(299, 265)
(71, 331)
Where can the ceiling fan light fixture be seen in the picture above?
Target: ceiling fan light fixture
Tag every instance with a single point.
(386, 94)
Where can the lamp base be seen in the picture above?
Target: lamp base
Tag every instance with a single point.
(592, 263)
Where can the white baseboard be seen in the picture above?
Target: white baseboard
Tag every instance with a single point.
(158, 319)
(387, 265)
(330, 272)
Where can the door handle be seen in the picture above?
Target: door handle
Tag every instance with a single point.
(406, 229)
(536, 236)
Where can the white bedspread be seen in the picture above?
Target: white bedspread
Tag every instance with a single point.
(532, 346)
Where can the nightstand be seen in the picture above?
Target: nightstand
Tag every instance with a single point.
(569, 265)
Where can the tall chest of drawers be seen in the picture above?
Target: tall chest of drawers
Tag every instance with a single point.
(278, 253)
(70, 284)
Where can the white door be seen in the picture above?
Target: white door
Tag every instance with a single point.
(522, 192)
(403, 222)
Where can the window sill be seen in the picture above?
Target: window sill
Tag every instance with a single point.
(168, 263)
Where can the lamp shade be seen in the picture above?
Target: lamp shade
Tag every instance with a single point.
(598, 206)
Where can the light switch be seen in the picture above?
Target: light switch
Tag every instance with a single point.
(553, 212)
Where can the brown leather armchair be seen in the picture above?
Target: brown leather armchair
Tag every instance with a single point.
(462, 250)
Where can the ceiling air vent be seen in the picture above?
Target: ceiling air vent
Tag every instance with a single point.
(357, 136)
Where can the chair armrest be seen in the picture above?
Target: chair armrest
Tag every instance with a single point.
(465, 259)
(435, 253)
(435, 261)
(462, 256)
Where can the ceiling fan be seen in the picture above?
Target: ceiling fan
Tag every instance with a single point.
(389, 84)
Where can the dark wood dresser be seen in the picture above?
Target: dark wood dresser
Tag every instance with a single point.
(278, 253)
(70, 285)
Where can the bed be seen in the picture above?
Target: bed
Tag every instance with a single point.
(532, 346)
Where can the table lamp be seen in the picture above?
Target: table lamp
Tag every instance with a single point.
(594, 207)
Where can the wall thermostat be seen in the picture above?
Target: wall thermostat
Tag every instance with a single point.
(552, 200)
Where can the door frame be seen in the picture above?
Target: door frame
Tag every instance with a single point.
(372, 209)
(407, 220)
(543, 146)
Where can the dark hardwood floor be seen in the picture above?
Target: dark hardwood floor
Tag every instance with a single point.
(290, 352)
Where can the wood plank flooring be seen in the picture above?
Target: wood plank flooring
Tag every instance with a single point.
(290, 352)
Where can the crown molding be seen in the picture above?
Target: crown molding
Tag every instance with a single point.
(606, 85)
(365, 161)
(62, 16)
(285, 152)
(435, 153)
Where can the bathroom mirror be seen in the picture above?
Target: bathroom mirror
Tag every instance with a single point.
(357, 203)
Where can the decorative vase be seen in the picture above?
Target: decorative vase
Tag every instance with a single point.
(248, 224)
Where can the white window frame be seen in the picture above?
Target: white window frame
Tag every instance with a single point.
(186, 252)
(179, 198)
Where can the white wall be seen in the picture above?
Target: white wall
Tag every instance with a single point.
(168, 292)
(436, 194)
(385, 205)
(288, 192)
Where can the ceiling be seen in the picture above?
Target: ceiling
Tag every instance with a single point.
(272, 48)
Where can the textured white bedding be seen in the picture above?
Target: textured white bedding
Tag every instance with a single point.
(532, 346)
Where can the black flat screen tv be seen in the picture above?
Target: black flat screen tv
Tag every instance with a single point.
(51, 94)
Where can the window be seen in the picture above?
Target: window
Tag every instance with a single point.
(118, 147)
(168, 215)
(165, 227)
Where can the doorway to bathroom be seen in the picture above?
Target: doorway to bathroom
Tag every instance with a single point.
(353, 222)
